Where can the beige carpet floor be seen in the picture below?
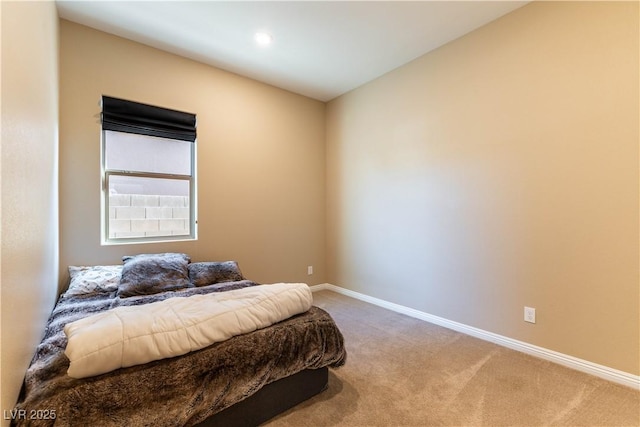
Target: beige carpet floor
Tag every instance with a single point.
(402, 371)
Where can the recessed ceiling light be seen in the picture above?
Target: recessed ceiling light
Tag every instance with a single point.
(263, 39)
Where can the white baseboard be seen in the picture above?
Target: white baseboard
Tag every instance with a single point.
(605, 372)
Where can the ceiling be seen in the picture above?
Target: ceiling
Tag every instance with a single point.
(320, 49)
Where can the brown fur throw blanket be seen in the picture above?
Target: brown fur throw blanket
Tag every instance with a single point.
(179, 391)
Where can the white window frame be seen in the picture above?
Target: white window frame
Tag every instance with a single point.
(107, 173)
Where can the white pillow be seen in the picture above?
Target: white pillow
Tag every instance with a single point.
(93, 279)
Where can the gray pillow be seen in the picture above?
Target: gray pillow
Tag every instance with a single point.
(147, 274)
(208, 273)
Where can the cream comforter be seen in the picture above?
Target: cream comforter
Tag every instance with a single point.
(134, 335)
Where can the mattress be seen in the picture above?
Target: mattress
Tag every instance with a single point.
(178, 391)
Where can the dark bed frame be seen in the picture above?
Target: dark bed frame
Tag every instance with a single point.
(271, 400)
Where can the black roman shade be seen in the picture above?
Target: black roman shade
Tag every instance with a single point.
(133, 117)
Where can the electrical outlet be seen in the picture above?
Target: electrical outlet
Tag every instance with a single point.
(310, 270)
(530, 314)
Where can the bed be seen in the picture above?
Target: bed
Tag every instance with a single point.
(242, 380)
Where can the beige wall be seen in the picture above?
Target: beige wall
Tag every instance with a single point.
(261, 179)
(499, 171)
(29, 262)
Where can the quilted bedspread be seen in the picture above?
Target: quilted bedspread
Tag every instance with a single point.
(177, 391)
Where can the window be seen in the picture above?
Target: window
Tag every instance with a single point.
(148, 173)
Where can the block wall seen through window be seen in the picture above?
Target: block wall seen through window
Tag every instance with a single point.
(138, 215)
